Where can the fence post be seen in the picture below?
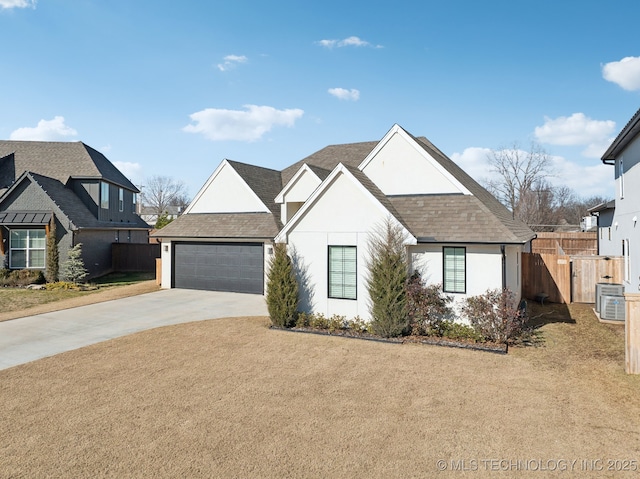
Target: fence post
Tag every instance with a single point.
(632, 333)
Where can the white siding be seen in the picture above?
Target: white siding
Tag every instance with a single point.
(483, 266)
(403, 168)
(343, 215)
(226, 192)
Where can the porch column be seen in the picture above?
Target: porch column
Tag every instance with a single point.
(632, 333)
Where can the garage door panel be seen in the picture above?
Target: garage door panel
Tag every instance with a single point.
(235, 267)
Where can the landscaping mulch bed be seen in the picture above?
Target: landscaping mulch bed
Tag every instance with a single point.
(432, 341)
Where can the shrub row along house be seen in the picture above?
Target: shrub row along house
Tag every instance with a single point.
(70, 183)
(326, 206)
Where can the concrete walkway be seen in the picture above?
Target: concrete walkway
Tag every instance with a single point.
(27, 339)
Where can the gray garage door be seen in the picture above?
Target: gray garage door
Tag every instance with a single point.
(235, 267)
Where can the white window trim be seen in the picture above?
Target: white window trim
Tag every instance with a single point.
(27, 249)
(121, 199)
(104, 198)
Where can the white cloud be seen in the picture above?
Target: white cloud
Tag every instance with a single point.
(344, 94)
(47, 130)
(346, 42)
(577, 129)
(248, 125)
(6, 4)
(625, 73)
(231, 61)
(133, 171)
(590, 180)
(474, 161)
(586, 180)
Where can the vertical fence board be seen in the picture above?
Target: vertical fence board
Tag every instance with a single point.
(546, 273)
(134, 256)
(589, 270)
(568, 278)
(632, 333)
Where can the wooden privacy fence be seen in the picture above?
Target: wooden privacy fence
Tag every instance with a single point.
(568, 279)
(134, 256)
(574, 243)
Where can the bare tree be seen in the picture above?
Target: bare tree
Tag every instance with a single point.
(520, 181)
(161, 192)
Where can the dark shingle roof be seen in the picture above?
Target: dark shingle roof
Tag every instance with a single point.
(516, 230)
(479, 217)
(377, 193)
(350, 154)
(264, 182)
(221, 225)
(454, 218)
(71, 206)
(58, 160)
(628, 133)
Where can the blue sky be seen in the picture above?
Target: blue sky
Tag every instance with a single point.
(172, 88)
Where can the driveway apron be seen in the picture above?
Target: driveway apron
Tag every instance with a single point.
(27, 339)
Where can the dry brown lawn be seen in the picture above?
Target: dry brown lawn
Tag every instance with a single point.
(18, 303)
(232, 398)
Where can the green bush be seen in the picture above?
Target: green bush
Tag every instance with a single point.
(359, 325)
(21, 277)
(282, 288)
(302, 321)
(428, 307)
(386, 283)
(459, 331)
(53, 255)
(336, 323)
(318, 321)
(73, 268)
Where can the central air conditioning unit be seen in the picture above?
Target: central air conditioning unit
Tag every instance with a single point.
(612, 308)
(610, 289)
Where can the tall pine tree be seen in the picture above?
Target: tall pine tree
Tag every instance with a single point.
(52, 253)
(282, 288)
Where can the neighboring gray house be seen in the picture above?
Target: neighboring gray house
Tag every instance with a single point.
(150, 213)
(325, 208)
(624, 155)
(92, 203)
(604, 213)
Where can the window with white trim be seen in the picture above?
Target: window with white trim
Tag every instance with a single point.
(454, 269)
(27, 249)
(120, 199)
(342, 272)
(104, 195)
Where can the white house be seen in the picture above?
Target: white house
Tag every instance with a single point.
(326, 207)
(623, 232)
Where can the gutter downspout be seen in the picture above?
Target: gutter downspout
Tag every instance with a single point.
(504, 267)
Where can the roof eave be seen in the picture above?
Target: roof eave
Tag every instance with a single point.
(628, 133)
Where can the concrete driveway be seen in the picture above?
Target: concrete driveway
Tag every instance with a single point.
(27, 339)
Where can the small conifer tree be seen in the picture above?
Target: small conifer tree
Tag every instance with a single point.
(163, 220)
(73, 268)
(388, 270)
(282, 288)
(52, 253)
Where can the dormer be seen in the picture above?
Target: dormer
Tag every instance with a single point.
(298, 190)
